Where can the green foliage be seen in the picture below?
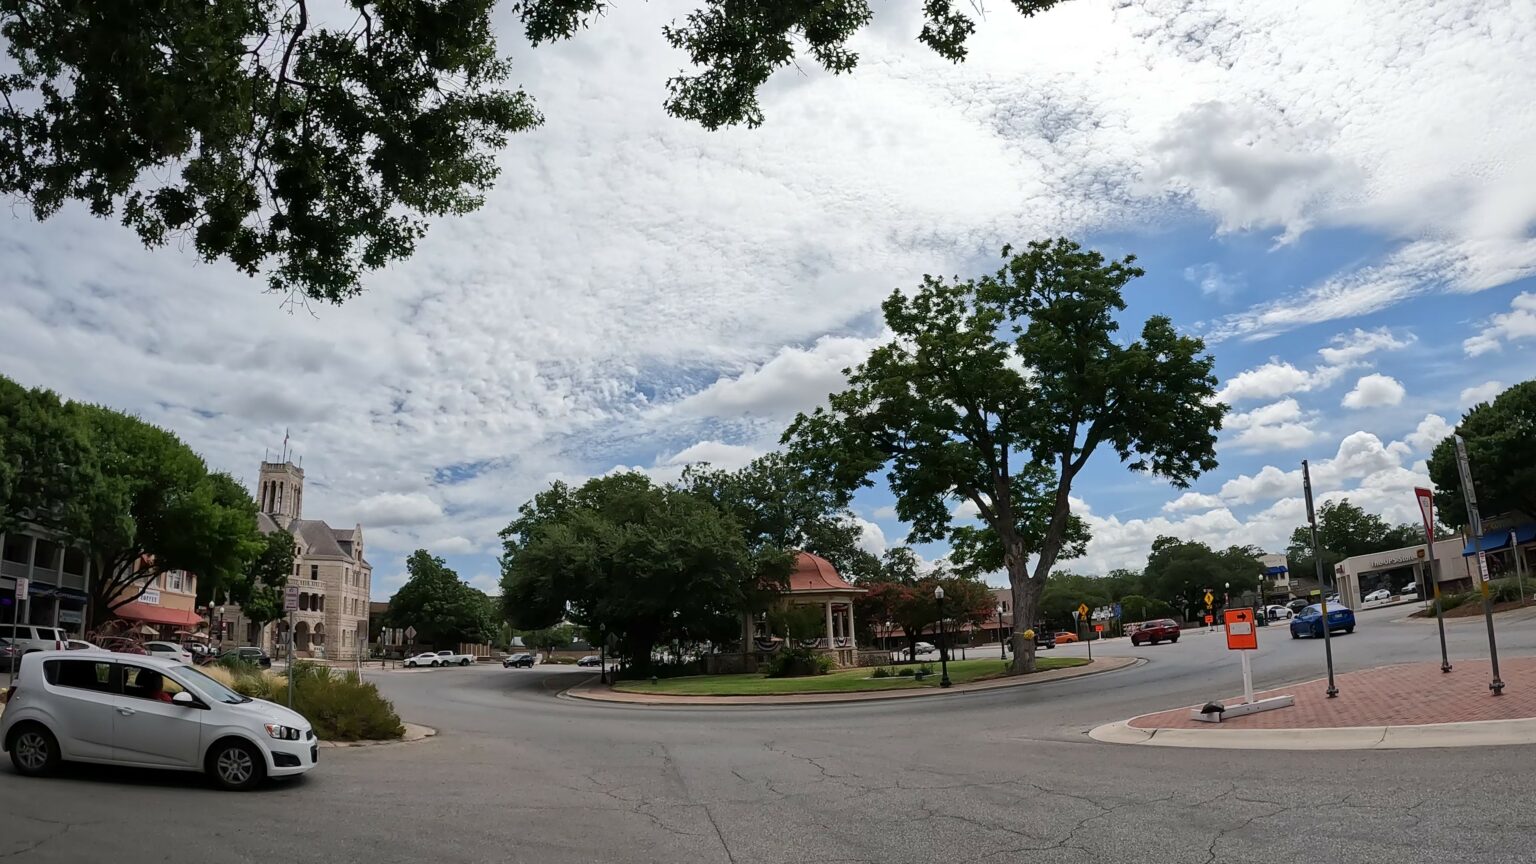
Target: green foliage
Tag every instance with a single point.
(782, 505)
(737, 44)
(259, 588)
(648, 564)
(906, 672)
(1134, 607)
(1180, 571)
(1451, 601)
(996, 392)
(1343, 531)
(1504, 590)
(881, 672)
(797, 621)
(259, 133)
(130, 495)
(550, 638)
(1500, 436)
(798, 662)
(341, 706)
(444, 610)
(905, 597)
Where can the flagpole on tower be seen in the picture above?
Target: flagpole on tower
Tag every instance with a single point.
(285, 444)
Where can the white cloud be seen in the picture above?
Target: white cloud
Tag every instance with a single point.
(1374, 391)
(871, 537)
(1431, 431)
(1269, 483)
(795, 379)
(455, 545)
(1484, 392)
(1274, 378)
(884, 513)
(1214, 282)
(718, 454)
(1353, 347)
(1277, 426)
(1193, 501)
(1518, 324)
(393, 509)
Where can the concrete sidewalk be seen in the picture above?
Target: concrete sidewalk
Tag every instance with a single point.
(1402, 706)
(596, 692)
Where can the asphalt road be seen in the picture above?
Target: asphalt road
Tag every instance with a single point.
(519, 775)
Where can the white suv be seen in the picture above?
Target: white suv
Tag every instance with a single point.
(30, 638)
(122, 709)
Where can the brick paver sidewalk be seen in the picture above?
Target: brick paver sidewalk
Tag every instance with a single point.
(1408, 695)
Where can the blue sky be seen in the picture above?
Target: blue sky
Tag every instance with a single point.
(1336, 196)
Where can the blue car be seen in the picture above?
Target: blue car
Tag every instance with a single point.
(1309, 621)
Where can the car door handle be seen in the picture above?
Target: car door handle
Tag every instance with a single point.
(126, 711)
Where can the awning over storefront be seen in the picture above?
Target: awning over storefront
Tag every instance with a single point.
(1493, 541)
(152, 614)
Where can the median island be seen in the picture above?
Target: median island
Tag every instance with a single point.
(857, 680)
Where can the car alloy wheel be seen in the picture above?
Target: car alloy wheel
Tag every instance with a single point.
(237, 766)
(33, 751)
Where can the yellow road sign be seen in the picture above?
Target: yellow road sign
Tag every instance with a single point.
(1082, 609)
(1209, 598)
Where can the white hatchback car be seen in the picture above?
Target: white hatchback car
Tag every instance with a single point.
(1378, 595)
(146, 712)
(169, 651)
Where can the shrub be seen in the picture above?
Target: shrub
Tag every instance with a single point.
(1451, 601)
(880, 672)
(798, 663)
(925, 669)
(344, 707)
(907, 672)
(1504, 590)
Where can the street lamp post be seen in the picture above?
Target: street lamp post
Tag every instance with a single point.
(938, 594)
(1002, 650)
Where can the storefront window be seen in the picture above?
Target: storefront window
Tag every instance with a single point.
(16, 548)
(45, 564)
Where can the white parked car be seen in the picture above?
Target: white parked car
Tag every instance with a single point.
(147, 712)
(168, 651)
(425, 659)
(925, 648)
(1410, 590)
(448, 658)
(1278, 612)
(29, 638)
(1378, 595)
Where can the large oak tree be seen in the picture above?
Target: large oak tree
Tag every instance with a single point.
(314, 142)
(1501, 449)
(997, 391)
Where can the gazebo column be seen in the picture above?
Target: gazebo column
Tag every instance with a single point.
(852, 639)
(828, 607)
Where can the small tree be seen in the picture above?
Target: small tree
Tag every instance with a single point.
(259, 588)
(997, 391)
(445, 610)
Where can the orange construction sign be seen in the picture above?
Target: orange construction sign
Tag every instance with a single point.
(1242, 634)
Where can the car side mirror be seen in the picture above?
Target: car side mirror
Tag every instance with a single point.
(183, 698)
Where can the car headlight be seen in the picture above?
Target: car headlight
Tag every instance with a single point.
(282, 733)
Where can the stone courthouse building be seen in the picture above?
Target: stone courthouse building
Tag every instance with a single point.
(329, 570)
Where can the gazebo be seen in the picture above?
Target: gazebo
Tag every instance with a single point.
(814, 582)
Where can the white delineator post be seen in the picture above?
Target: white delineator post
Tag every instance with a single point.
(1242, 638)
(1247, 678)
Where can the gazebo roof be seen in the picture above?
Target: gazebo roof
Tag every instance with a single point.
(814, 574)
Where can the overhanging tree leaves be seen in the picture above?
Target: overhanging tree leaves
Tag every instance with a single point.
(259, 588)
(1501, 441)
(737, 44)
(308, 142)
(45, 457)
(998, 390)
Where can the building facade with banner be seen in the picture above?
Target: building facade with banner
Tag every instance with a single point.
(58, 578)
(166, 609)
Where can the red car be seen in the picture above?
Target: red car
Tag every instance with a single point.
(1162, 630)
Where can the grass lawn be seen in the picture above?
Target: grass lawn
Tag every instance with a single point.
(845, 681)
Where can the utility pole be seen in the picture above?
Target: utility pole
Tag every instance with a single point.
(1317, 559)
(1426, 500)
(1475, 524)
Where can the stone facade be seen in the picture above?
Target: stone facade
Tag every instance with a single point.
(329, 570)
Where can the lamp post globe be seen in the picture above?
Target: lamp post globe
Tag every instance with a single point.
(938, 595)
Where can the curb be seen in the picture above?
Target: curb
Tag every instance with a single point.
(1477, 733)
(588, 693)
(413, 733)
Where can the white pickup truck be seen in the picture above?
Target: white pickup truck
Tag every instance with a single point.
(448, 658)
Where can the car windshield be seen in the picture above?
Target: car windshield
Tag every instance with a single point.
(212, 686)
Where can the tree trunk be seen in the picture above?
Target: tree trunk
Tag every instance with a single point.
(1026, 600)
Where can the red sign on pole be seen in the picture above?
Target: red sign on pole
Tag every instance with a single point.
(1427, 508)
(1210, 619)
(1098, 628)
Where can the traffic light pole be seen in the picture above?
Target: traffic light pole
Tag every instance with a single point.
(1317, 559)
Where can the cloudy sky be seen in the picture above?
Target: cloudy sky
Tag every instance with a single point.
(1337, 196)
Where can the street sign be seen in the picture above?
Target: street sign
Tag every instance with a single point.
(1098, 628)
(1082, 609)
(410, 634)
(22, 587)
(1076, 615)
(1241, 634)
(1482, 565)
(291, 598)
(1118, 613)
(1210, 619)
(1427, 510)
(1209, 598)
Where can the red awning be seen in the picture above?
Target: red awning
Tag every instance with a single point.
(153, 614)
